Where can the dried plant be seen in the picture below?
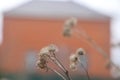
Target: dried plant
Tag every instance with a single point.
(77, 59)
(48, 54)
(69, 24)
(81, 33)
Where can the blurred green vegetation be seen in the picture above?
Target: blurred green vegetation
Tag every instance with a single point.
(33, 76)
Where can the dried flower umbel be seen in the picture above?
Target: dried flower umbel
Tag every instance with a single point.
(77, 59)
(73, 58)
(42, 63)
(69, 24)
(73, 62)
(48, 54)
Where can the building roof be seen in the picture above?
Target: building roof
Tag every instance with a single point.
(54, 9)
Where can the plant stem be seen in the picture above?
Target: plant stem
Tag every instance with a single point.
(85, 71)
(61, 66)
(68, 75)
(57, 73)
(92, 42)
(53, 58)
(95, 45)
(65, 71)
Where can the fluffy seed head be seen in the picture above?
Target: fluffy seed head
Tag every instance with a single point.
(41, 63)
(80, 52)
(67, 32)
(73, 66)
(44, 51)
(52, 48)
(71, 22)
(73, 58)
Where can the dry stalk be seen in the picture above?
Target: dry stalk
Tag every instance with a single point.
(57, 73)
(60, 65)
(86, 71)
(82, 33)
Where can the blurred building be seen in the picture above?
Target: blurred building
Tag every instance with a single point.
(33, 25)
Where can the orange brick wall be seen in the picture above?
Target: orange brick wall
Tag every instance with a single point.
(21, 35)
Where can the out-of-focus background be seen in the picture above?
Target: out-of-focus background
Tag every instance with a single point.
(28, 25)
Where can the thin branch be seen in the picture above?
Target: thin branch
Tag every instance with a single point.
(68, 75)
(60, 65)
(85, 71)
(66, 71)
(57, 73)
(94, 44)
(57, 63)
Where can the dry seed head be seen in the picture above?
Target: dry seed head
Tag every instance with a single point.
(42, 63)
(52, 48)
(44, 51)
(73, 66)
(37, 64)
(80, 52)
(73, 58)
(67, 32)
(71, 22)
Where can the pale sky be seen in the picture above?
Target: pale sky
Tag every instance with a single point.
(6, 5)
(10, 4)
(108, 7)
